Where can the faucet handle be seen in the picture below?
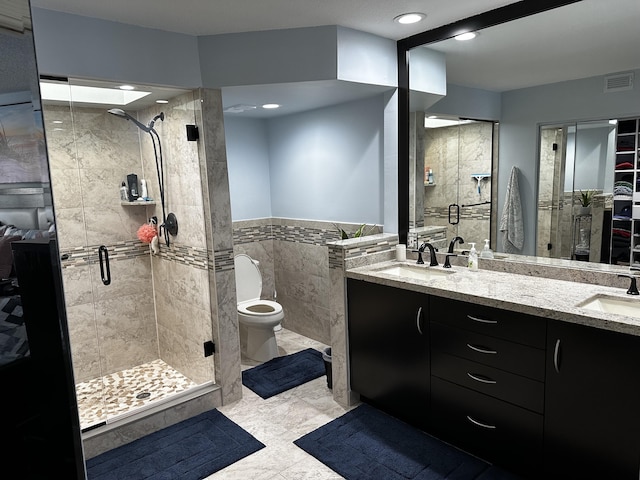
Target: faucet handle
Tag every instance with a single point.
(633, 287)
(420, 260)
(447, 264)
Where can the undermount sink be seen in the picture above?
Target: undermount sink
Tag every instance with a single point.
(415, 272)
(608, 304)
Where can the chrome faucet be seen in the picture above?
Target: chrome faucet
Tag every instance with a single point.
(453, 243)
(432, 253)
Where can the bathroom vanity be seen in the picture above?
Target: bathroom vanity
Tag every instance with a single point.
(504, 366)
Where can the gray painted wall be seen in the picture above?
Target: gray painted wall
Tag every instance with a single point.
(525, 109)
(248, 159)
(327, 164)
(72, 45)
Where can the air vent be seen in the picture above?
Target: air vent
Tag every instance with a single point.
(618, 83)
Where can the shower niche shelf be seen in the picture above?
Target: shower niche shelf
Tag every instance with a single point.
(137, 204)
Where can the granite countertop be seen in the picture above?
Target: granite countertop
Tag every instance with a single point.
(543, 297)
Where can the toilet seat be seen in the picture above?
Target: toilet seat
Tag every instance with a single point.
(256, 312)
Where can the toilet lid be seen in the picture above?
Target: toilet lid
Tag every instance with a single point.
(248, 278)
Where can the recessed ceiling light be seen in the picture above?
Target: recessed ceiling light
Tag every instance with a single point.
(127, 87)
(466, 36)
(409, 18)
(57, 121)
(270, 105)
(162, 101)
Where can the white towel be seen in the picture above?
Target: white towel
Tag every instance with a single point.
(511, 223)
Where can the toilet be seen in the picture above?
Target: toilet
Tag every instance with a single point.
(257, 317)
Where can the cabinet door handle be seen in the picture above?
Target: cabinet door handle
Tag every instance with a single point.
(556, 356)
(418, 318)
(480, 424)
(481, 320)
(481, 378)
(480, 349)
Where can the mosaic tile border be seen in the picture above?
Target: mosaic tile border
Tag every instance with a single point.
(88, 255)
(480, 212)
(344, 250)
(297, 231)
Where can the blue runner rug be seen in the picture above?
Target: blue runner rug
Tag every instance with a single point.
(367, 444)
(190, 450)
(283, 373)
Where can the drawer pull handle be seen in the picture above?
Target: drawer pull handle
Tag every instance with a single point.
(479, 349)
(481, 320)
(418, 320)
(481, 378)
(556, 357)
(480, 424)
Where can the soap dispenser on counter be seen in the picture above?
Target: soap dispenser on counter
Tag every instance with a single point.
(473, 257)
(486, 251)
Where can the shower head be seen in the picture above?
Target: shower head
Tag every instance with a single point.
(121, 113)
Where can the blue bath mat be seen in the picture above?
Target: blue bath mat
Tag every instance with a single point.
(190, 450)
(366, 444)
(283, 373)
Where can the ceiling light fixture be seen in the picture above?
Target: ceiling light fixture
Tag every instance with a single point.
(127, 87)
(409, 18)
(162, 101)
(270, 106)
(466, 36)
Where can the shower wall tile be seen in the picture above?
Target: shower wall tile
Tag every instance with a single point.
(181, 281)
(61, 148)
(69, 226)
(77, 285)
(128, 277)
(217, 208)
(66, 187)
(111, 224)
(127, 331)
(181, 335)
(227, 337)
(83, 337)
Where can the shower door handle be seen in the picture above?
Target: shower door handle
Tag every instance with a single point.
(105, 271)
(456, 210)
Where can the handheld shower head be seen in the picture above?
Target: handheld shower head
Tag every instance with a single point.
(121, 113)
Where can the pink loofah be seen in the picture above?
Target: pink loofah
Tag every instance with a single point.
(146, 233)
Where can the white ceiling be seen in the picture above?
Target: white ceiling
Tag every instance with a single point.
(591, 37)
(207, 17)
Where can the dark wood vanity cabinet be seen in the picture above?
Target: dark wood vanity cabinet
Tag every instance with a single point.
(542, 398)
(487, 391)
(389, 349)
(592, 403)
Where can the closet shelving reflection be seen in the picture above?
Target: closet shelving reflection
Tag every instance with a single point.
(625, 221)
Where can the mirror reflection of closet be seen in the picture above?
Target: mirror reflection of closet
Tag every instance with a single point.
(575, 189)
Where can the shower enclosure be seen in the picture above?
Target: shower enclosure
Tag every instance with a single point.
(458, 160)
(139, 338)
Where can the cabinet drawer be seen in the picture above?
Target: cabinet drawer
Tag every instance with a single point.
(494, 430)
(494, 352)
(515, 327)
(506, 386)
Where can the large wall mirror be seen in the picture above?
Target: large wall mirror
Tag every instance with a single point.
(568, 70)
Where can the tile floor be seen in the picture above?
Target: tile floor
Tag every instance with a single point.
(280, 420)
